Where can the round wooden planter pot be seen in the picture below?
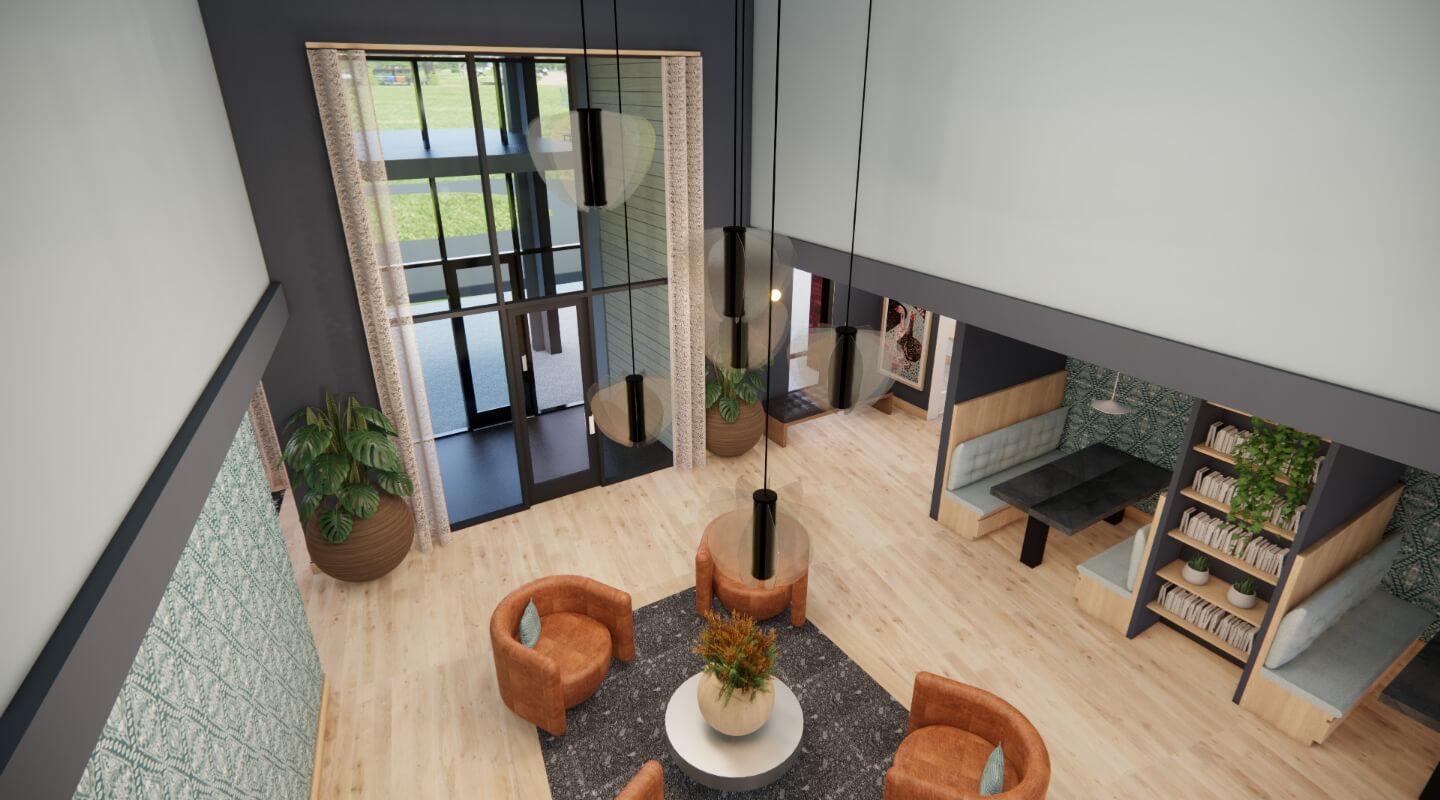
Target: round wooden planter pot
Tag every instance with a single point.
(734, 438)
(375, 546)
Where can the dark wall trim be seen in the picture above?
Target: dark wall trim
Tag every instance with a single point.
(1389, 428)
(50, 727)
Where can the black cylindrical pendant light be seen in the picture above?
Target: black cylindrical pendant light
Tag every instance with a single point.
(763, 542)
(635, 407)
(734, 270)
(591, 141)
(844, 368)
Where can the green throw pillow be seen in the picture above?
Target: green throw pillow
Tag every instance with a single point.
(530, 625)
(992, 778)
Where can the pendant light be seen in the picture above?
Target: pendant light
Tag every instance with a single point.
(849, 357)
(737, 258)
(605, 161)
(630, 412)
(1112, 406)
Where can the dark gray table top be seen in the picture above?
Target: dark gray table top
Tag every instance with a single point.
(1074, 492)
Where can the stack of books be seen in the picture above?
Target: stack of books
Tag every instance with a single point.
(1225, 438)
(1233, 540)
(1219, 486)
(1231, 629)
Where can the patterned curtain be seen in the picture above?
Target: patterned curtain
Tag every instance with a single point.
(685, 254)
(268, 440)
(347, 114)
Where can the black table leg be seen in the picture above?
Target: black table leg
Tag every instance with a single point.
(1032, 552)
(1114, 519)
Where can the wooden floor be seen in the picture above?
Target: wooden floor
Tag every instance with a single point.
(414, 711)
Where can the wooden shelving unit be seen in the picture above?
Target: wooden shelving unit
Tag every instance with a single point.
(1210, 452)
(1214, 592)
(1198, 632)
(1225, 558)
(1224, 508)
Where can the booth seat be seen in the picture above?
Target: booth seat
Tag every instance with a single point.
(1346, 638)
(1105, 583)
(982, 462)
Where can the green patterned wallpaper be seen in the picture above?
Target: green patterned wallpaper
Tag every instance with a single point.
(1415, 575)
(1154, 432)
(223, 696)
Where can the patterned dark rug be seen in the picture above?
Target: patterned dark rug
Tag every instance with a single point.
(852, 726)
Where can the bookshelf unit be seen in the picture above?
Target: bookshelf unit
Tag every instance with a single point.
(1349, 481)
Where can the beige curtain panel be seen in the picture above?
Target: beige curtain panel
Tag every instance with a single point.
(267, 440)
(352, 137)
(685, 254)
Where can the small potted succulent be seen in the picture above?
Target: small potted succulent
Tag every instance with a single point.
(735, 693)
(1241, 593)
(1197, 571)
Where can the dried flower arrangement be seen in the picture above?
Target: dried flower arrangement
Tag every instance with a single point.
(737, 652)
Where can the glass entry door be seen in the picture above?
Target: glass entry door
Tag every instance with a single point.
(552, 345)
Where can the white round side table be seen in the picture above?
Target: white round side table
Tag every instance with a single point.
(733, 763)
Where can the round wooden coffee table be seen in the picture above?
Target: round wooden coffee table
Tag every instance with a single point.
(733, 763)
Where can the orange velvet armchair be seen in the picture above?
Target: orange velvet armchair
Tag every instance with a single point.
(953, 729)
(758, 603)
(583, 623)
(648, 784)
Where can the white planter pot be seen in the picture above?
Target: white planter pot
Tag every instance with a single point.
(743, 713)
(1239, 600)
(1195, 577)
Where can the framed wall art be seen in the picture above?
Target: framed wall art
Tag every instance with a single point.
(904, 342)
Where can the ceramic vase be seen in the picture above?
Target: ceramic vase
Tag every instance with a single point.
(742, 713)
(1239, 600)
(1194, 576)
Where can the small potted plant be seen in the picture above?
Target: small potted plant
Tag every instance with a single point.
(1241, 593)
(1197, 571)
(739, 656)
(350, 481)
(734, 420)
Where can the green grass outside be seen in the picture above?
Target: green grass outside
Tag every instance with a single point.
(447, 105)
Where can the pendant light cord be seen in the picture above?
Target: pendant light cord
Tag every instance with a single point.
(859, 150)
(625, 201)
(585, 52)
(769, 312)
(738, 146)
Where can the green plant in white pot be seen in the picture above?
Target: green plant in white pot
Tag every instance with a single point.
(1241, 593)
(349, 482)
(1196, 571)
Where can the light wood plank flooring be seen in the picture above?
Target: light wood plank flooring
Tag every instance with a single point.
(414, 711)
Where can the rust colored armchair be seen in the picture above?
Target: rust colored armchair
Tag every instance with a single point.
(953, 729)
(583, 623)
(758, 603)
(648, 784)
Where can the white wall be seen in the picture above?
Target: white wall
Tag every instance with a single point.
(1139, 162)
(130, 263)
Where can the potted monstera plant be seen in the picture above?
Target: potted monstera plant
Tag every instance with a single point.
(349, 482)
(734, 420)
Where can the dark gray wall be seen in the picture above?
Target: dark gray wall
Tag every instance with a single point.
(259, 52)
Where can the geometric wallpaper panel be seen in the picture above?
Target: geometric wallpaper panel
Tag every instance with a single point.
(1154, 431)
(223, 697)
(1415, 574)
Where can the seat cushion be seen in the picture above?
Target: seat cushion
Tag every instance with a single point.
(1307, 621)
(1001, 449)
(1137, 556)
(949, 756)
(580, 647)
(976, 496)
(1339, 667)
(1108, 568)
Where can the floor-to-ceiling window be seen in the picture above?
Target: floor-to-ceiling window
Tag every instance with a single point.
(515, 292)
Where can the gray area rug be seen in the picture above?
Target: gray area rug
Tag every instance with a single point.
(852, 726)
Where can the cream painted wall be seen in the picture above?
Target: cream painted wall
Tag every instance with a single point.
(130, 263)
(1154, 165)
